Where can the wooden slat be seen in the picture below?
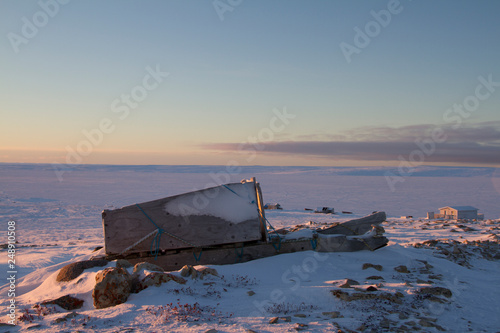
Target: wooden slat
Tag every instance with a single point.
(355, 227)
(246, 253)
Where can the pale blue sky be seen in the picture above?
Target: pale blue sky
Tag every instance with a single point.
(227, 76)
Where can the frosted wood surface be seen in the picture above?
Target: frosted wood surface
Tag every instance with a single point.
(125, 226)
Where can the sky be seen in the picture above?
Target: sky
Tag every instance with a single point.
(227, 82)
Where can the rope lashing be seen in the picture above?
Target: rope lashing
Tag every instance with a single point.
(239, 255)
(314, 243)
(250, 199)
(197, 257)
(157, 238)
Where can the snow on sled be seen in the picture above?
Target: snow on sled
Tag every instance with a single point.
(221, 225)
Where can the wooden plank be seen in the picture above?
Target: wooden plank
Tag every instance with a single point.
(125, 226)
(249, 252)
(355, 227)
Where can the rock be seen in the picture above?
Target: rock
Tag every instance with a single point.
(374, 277)
(347, 283)
(286, 319)
(203, 271)
(345, 296)
(155, 279)
(401, 269)
(66, 302)
(273, 320)
(113, 286)
(123, 263)
(436, 291)
(250, 331)
(147, 266)
(368, 265)
(211, 331)
(188, 270)
(371, 288)
(65, 318)
(403, 315)
(250, 293)
(72, 271)
(300, 315)
(332, 314)
(300, 327)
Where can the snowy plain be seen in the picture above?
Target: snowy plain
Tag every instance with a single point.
(58, 221)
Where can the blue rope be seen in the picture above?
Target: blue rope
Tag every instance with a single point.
(156, 240)
(251, 201)
(314, 243)
(197, 258)
(239, 255)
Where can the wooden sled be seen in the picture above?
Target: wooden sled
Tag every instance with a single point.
(220, 225)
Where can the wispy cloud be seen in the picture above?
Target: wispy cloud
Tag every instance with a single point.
(477, 143)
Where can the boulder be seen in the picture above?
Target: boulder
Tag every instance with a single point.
(66, 302)
(113, 286)
(72, 271)
(123, 263)
(401, 269)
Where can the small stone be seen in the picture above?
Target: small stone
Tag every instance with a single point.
(207, 271)
(368, 265)
(371, 288)
(300, 327)
(286, 319)
(250, 331)
(347, 283)
(211, 331)
(399, 294)
(273, 320)
(333, 314)
(401, 269)
(374, 277)
(300, 315)
(250, 293)
(436, 291)
(403, 316)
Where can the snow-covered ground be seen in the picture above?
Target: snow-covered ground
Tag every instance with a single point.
(58, 222)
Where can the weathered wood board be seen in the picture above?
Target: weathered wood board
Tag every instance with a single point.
(224, 214)
(246, 252)
(355, 227)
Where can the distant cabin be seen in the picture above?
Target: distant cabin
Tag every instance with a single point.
(456, 213)
(272, 206)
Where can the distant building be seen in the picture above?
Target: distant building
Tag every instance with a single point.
(456, 213)
(272, 206)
